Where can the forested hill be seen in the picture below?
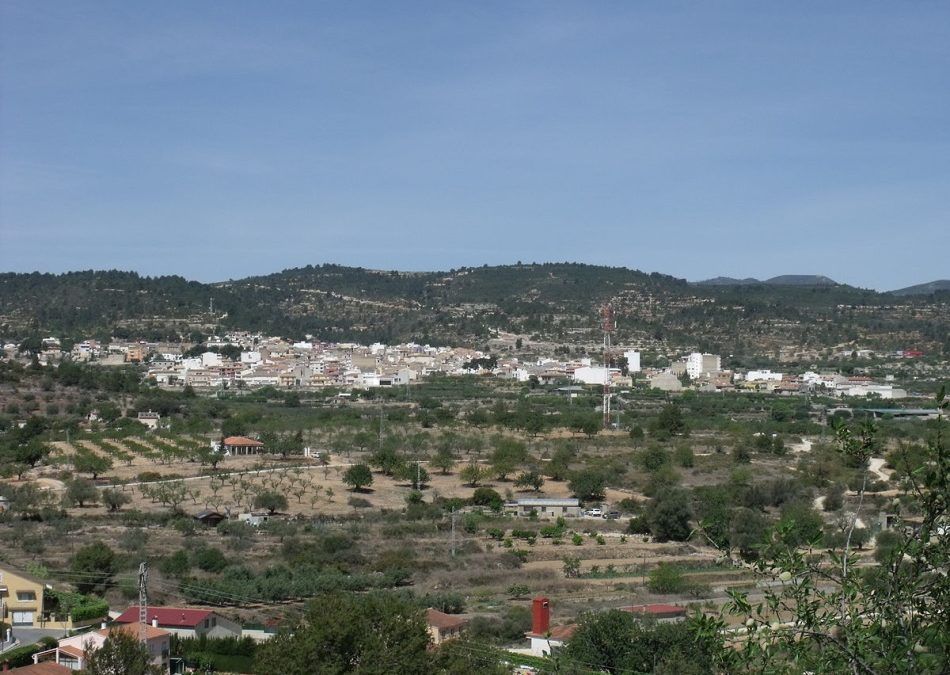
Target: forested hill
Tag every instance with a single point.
(558, 302)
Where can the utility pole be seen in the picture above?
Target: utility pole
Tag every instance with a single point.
(380, 426)
(143, 602)
(453, 531)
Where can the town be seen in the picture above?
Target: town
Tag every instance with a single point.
(474, 338)
(505, 466)
(238, 361)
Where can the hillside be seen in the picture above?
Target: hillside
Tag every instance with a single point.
(939, 286)
(782, 280)
(556, 302)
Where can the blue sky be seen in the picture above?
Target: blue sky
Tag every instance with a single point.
(220, 139)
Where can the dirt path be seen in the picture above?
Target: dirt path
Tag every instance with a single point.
(876, 466)
(804, 446)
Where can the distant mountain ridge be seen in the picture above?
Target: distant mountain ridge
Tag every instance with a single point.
(555, 303)
(924, 289)
(781, 280)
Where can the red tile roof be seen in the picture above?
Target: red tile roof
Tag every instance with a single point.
(42, 668)
(444, 621)
(556, 632)
(173, 617)
(75, 652)
(133, 628)
(243, 441)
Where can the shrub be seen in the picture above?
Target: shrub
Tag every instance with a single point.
(684, 456)
(484, 496)
(210, 559)
(359, 503)
(669, 515)
(449, 602)
(572, 566)
(518, 591)
(834, 498)
(92, 610)
(176, 565)
(577, 539)
(470, 523)
(666, 578)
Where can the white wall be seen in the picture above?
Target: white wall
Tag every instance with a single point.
(633, 360)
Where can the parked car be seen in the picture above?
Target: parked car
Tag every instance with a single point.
(612, 515)
(595, 512)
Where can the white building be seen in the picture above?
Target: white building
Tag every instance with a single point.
(210, 359)
(633, 360)
(593, 374)
(885, 391)
(702, 364)
(763, 376)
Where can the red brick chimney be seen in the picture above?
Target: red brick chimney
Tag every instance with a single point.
(540, 616)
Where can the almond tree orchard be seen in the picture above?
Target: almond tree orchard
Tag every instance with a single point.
(822, 612)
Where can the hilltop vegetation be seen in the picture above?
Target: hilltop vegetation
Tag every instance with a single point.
(553, 302)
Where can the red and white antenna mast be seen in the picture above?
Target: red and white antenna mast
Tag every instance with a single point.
(608, 324)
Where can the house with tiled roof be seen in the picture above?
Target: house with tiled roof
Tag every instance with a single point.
(543, 636)
(184, 621)
(444, 626)
(241, 445)
(72, 652)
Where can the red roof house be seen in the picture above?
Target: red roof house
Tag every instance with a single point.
(184, 621)
(443, 626)
(241, 445)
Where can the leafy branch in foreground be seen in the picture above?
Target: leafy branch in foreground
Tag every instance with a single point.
(825, 611)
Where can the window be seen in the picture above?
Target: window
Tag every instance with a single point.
(26, 596)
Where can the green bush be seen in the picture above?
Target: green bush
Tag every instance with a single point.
(93, 610)
(666, 578)
(209, 559)
(484, 496)
(21, 656)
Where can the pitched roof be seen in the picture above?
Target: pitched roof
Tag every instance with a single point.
(444, 621)
(42, 668)
(243, 441)
(176, 617)
(151, 632)
(556, 632)
(75, 652)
